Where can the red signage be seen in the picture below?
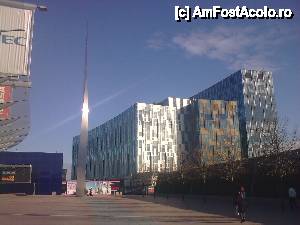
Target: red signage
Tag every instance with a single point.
(5, 96)
(115, 184)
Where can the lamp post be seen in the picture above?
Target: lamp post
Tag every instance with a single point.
(83, 141)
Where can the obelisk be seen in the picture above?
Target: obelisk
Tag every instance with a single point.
(83, 141)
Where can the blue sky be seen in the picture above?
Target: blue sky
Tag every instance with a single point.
(137, 52)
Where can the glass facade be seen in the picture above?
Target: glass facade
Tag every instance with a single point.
(212, 127)
(157, 140)
(141, 139)
(151, 137)
(111, 147)
(254, 92)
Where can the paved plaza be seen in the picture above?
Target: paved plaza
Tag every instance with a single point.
(60, 210)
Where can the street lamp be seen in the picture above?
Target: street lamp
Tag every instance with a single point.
(42, 8)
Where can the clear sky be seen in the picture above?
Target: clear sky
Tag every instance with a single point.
(138, 53)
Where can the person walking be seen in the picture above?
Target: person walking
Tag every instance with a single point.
(143, 189)
(292, 198)
(90, 192)
(241, 204)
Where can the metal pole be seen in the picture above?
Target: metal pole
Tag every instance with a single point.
(83, 142)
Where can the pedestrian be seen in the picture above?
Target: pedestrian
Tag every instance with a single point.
(90, 192)
(292, 198)
(143, 189)
(241, 204)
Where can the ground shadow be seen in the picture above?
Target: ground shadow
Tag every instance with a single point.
(262, 211)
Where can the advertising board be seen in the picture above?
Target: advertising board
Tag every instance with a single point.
(5, 96)
(15, 174)
(15, 40)
(97, 187)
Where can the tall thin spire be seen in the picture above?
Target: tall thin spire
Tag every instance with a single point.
(83, 141)
(85, 91)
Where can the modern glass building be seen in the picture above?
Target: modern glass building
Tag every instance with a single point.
(141, 139)
(254, 92)
(205, 125)
(152, 137)
(212, 127)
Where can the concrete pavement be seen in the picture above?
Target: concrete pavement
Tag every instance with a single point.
(61, 210)
(259, 210)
